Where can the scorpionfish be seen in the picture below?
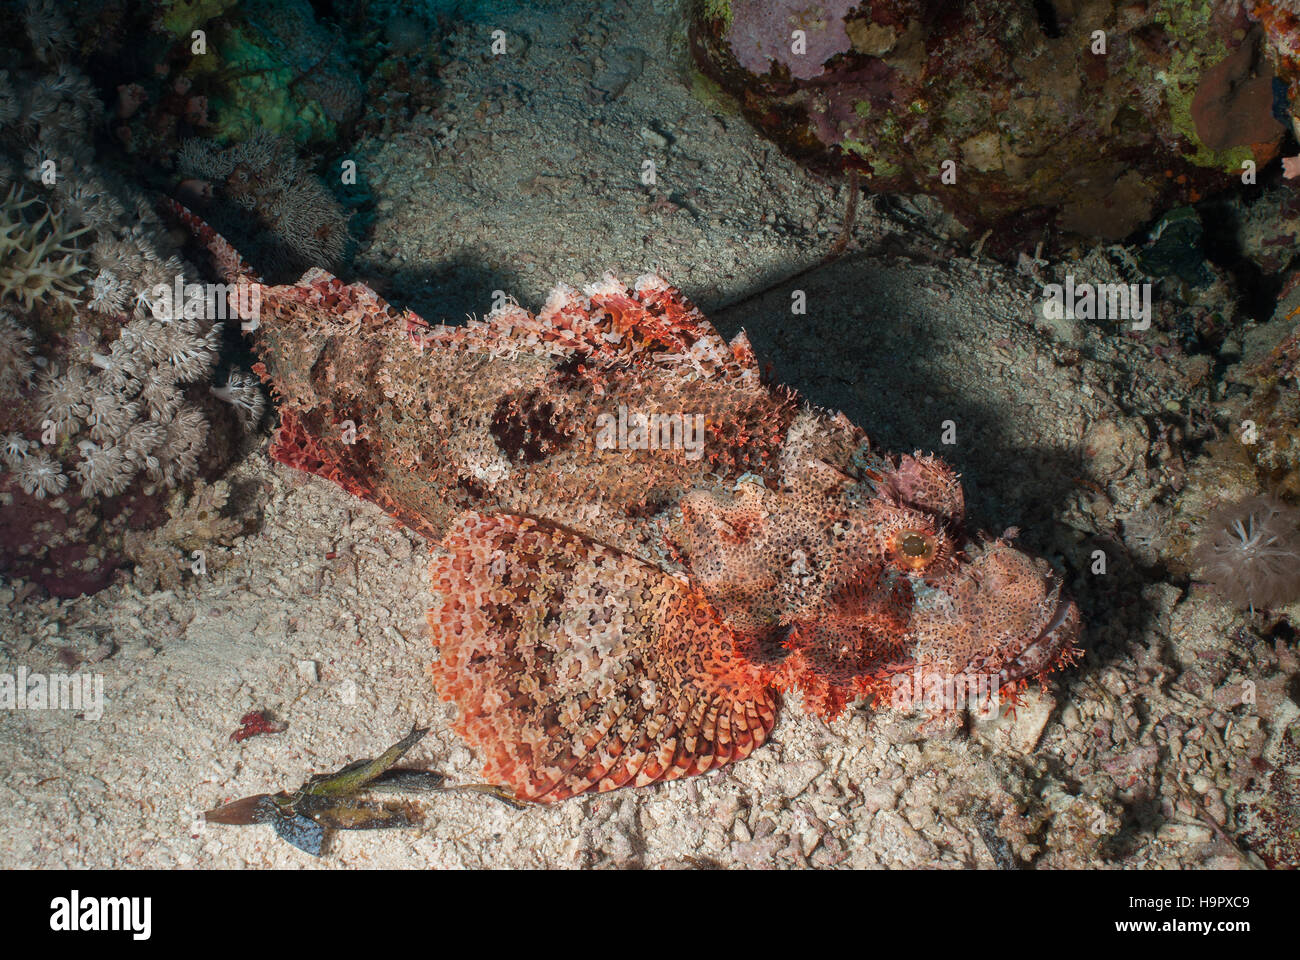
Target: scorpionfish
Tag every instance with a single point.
(639, 544)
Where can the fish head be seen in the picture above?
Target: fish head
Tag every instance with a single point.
(843, 583)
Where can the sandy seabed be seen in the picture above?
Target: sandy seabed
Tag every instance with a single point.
(531, 175)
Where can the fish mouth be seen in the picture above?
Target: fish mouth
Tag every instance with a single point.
(1053, 643)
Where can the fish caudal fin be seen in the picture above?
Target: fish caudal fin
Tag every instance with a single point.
(226, 259)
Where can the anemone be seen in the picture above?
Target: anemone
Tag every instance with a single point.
(1249, 552)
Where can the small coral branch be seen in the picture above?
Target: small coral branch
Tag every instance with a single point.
(256, 724)
(37, 262)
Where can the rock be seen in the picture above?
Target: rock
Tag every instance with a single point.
(1175, 248)
(1112, 449)
(1268, 230)
(879, 796)
(1127, 769)
(1019, 731)
(794, 778)
(1070, 717)
(653, 138)
(1185, 833)
(1041, 127)
(622, 66)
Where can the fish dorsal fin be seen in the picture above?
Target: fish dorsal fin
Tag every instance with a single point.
(579, 668)
(649, 323)
(318, 298)
(743, 351)
(324, 298)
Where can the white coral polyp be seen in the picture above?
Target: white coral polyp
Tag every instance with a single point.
(140, 442)
(108, 294)
(160, 394)
(118, 369)
(186, 350)
(40, 476)
(109, 416)
(80, 202)
(64, 399)
(178, 455)
(15, 353)
(13, 448)
(102, 469)
(145, 303)
(144, 338)
(242, 392)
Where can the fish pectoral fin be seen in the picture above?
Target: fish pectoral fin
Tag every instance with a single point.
(577, 667)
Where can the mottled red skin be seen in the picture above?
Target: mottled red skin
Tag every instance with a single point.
(622, 616)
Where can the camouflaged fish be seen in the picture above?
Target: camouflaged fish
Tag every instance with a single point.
(639, 542)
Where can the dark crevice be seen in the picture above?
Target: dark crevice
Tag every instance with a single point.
(1047, 18)
(1222, 247)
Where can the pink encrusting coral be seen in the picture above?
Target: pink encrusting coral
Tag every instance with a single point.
(763, 34)
(640, 543)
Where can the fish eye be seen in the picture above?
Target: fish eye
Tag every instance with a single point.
(914, 549)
